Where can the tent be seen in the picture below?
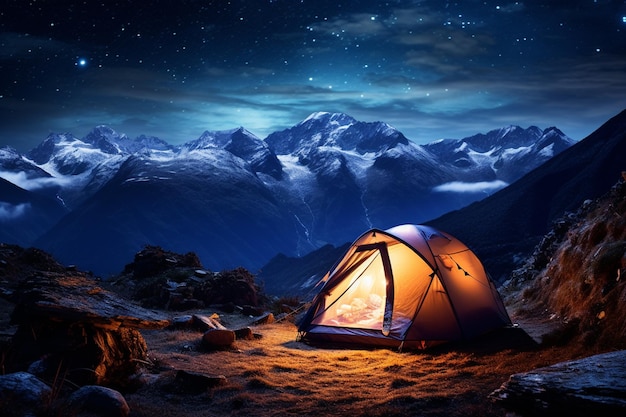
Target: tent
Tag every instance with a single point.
(409, 286)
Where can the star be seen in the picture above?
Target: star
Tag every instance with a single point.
(81, 62)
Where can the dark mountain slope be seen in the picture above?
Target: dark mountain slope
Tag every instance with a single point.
(25, 215)
(228, 221)
(509, 223)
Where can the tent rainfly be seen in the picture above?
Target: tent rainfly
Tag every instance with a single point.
(410, 286)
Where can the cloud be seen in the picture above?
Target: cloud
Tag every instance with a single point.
(471, 187)
(22, 180)
(10, 211)
(362, 25)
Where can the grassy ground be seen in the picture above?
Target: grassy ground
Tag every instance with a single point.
(277, 376)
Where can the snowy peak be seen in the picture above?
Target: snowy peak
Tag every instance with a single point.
(241, 143)
(255, 151)
(16, 169)
(371, 137)
(221, 139)
(556, 140)
(326, 118)
(46, 149)
(210, 140)
(506, 153)
(507, 137)
(335, 130)
(107, 140)
(148, 144)
(68, 155)
(319, 129)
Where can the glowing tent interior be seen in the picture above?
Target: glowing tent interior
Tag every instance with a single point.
(409, 286)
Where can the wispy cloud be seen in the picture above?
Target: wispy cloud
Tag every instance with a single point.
(22, 180)
(471, 187)
(354, 26)
(12, 211)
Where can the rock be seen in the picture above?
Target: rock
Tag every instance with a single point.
(181, 322)
(181, 302)
(207, 322)
(244, 333)
(82, 331)
(97, 401)
(80, 352)
(197, 383)
(234, 286)
(211, 323)
(218, 338)
(23, 392)
(267, 318)
(589, 386)
(249, 310)
(75, 298)
(153, 260)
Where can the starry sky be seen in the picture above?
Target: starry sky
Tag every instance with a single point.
(432, 69)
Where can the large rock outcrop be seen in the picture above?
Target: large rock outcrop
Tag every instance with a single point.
(591, 386)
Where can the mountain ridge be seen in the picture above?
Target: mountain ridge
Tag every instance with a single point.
(321, 182)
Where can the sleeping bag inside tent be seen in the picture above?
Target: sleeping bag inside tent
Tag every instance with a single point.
(409, 286)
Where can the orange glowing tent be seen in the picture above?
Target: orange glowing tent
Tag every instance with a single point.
(409, 286)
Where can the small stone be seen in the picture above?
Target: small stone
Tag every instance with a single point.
(181, 322)
(244, 334)
(267, 318)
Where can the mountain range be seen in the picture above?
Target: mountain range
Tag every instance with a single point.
(238, 200)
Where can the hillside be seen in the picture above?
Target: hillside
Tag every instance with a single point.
(576, 275)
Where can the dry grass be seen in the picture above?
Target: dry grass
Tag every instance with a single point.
(278, 376)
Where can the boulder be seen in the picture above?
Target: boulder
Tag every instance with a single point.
(591, 386)
(218, 338)
(96, 401)
(153, 260)
(76, 298)
(23, 393)
(83, 333)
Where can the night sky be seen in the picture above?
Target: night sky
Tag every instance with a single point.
(432, 69)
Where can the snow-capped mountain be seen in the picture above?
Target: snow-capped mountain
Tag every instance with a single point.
(238, 200)
(242, 144)
(501, 153)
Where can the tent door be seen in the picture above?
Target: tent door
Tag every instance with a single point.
(384, 255)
